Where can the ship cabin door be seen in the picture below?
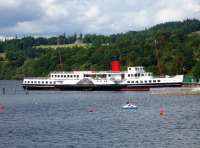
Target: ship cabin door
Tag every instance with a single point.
(122, 76)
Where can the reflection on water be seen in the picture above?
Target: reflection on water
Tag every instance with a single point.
(63, 119)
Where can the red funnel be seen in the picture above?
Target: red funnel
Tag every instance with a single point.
(116, 65)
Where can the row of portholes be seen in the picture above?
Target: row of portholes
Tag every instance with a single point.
(138, 75)
(64, 76)
(145, 81)
(39, 82)
(137, 68)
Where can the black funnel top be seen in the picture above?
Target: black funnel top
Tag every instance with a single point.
(115, 58)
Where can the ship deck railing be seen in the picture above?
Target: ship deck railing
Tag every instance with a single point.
(38, 78)
(87, 72)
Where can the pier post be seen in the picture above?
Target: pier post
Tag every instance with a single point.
(26, 91)
(4, 91)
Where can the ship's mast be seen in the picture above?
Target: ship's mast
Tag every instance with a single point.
(158, 58)
(60, 58)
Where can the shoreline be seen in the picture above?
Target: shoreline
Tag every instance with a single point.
(177, 91)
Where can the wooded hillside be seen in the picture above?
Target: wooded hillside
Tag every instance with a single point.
(169, 48)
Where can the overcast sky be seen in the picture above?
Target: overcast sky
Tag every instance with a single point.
(50, 17)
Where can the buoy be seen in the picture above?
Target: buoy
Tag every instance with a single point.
(1, 108)
(91, 110)
(162, 113)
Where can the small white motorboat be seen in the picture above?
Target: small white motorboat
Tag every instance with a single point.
(129, 106)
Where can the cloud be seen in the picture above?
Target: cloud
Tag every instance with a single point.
(13, 12)
(90, 16)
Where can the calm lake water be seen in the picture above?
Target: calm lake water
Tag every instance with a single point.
(62, 119)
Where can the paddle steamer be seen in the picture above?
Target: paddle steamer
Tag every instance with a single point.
(135, 78)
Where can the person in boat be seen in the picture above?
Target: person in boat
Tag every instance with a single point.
(127, 102)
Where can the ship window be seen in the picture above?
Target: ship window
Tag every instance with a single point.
(35, 82)
(50, 82)
(149, 74)
(131, 75)
(28, 82)
(145, 81)
(77, 76)
(132, 82)
(128, 81)
(137, 75)
(46, 82)
(31, 81)
(38, 82)
(70, 76)
(65, 76)
(142, 74)
(128, 75)
(154, 80)
(149, 81)
(42, 82)
(158, 80)
(58, 76)
(61, 76)
(86, 75)
(129, 68)
(109, 75)
(24, 81)
(141, 81)
(136, 81)
(54, 82)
